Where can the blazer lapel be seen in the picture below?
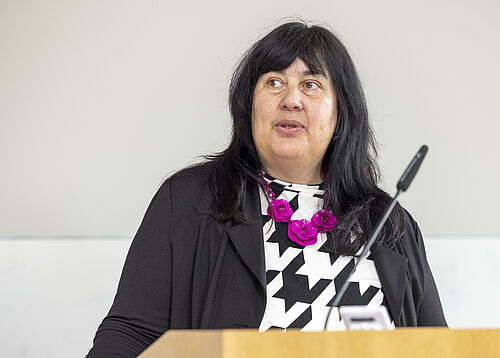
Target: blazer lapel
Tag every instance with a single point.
(391, 268)
(249, 239)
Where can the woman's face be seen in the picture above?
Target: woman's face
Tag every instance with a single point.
(293, 115)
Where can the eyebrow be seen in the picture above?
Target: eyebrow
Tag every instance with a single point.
(306, 73)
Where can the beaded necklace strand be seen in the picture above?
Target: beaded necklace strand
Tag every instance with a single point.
(303, 232)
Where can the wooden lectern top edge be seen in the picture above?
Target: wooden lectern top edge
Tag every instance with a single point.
(419, 342)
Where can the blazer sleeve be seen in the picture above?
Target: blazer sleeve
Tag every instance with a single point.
(140, 313)
(430, 311)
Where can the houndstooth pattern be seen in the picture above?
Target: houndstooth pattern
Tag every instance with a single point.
(302, 281)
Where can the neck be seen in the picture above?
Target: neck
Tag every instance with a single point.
(309, 173)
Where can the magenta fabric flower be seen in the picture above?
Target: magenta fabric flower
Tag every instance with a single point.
(324, 221)
(302, 232)
(281, 210)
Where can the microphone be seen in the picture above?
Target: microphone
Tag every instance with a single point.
(412, 169)
(403, 184)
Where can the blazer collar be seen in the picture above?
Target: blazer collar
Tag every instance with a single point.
(249, 239)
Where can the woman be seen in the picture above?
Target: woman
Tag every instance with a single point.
(262, 234)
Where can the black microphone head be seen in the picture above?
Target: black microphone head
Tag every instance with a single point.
(411, 170)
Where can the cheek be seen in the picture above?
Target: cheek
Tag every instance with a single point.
(262, 116)
(262, 109)
(326, 118)
(259, 120)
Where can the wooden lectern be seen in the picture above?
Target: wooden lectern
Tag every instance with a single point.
(402, 342)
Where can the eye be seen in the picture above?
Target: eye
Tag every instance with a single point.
(311, 85)
(274, 83)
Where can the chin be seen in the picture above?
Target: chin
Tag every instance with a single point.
(289, 153)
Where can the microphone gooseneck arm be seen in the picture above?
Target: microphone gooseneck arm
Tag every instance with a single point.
(363, 256)
(403, 184)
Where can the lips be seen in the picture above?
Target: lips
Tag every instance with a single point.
(288, 127)
(287, 123)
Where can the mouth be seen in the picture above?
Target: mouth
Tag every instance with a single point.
(289, 126)
(287, 123)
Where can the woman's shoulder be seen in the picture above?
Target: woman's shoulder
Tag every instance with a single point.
(191, 176)
(412, 227)
(189, 184)
(411, 244)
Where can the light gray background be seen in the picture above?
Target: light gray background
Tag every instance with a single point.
(101, 100)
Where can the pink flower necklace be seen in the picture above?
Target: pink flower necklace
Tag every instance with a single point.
(303, 232)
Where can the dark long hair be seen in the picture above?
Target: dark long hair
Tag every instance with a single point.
(350, 158)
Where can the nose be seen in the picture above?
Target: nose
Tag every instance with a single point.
(291, 100)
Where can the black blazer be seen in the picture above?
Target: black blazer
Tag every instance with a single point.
(186, 270)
